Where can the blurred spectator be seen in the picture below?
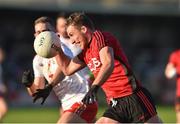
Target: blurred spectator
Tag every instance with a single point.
(172, 69)
(3, 90)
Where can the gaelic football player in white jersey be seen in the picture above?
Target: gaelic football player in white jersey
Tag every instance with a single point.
(70, 90)
(72, 49)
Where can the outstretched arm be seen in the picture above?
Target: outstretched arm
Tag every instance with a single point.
(44, 93)
(31, 83)
(68, 66)
(107, 60)
(39, 83)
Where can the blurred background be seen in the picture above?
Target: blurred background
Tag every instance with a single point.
(148, 31)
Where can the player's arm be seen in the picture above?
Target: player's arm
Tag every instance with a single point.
(107, 60)
(31, 83)
(68, 66)
(39, 83)
(44, 93)
(170, 70)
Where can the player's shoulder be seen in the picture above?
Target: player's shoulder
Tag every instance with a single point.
(65, 42)
(98, 34)
(103, 35)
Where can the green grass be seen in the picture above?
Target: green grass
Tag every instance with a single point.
(167, 114)
(50, 115)
(31, 115)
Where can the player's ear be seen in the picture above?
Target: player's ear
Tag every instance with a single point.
(84, 29)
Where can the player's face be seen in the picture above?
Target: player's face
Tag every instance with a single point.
(77, 36)
(40, 27)
(61, 27)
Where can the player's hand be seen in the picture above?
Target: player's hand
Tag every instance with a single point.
(42, 93)
(91, 95)
(27, 78)
(56, 46)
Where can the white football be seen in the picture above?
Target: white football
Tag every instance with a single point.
(43, 44)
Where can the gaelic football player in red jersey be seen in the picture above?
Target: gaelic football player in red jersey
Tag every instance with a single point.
(172, 69)
(128, 101)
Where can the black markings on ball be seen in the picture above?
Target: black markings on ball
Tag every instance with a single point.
(41, 41)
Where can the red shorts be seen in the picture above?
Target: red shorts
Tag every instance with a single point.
(88, 114)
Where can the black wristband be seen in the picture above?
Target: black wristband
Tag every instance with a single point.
(95, 88)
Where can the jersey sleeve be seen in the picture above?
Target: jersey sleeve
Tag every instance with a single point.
(37, 66)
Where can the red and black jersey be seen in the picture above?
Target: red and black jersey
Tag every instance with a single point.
(122, 81)
(175, 60)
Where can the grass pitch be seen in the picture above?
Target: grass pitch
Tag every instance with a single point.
(50, 115)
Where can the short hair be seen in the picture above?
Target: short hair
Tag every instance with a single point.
(44, 19)
(79, 19)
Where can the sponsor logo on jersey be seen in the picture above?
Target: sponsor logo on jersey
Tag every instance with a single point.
(93, 64)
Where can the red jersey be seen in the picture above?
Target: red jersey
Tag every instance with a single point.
(121, 82)
(175, 60)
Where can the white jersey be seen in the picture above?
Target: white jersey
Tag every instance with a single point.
(69, 49)
(71, 89)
